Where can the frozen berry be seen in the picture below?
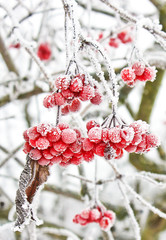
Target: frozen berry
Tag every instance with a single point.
(128, 75)
(65, 110)
(68, 94)
(42, 143)
(46, 153)
(87, 144)
(87, 93)
(59, 99)
(125, 36)
(54, 135)
(105, 223)
(92, 124)
(97, 99)
(35, 154)
(75, 105)
(69, 136)
(95, 134)
(139, 68)
(27, 148)
(44, 51)
(43, 129)
(114, 42)
(149, 74)
(60, 146)
(63, 126)
(32, 133)
(95, 214)
(49, 101)
(114, 134)
(76, 85)
(43, 162)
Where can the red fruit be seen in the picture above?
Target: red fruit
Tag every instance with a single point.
(127, 134)
(69, 136)
(139, 68)
(109, 152)
(76, 161)
(114, 134)
(43, 162)
(44, 51)
(35, 154)
(128, 75)
(65, 160)
(110, 214)
(119, 153)
(46, 154)
(149, 74)
(76, 84)
(85, 214)
(49, 101)
(56, 159)
(27, 148)
(95, 214)
(59, 99)
(65, 110)
(54, 135)
(63, 164)
(42, 143)
(104, 136)
(76, 146)
(125, 36)
(152, 141)
(99, 149)
(63, 126)
(140, 127)
(60, 146)
(87, 93)
(80, 220)
(32, 133)
(25, 135)
(137, 139)
(78, 133)
(105, 223)
(131, 148)
(87, 144)
(68, 153)
(97, 99)
(95, 134)
(114, 42)
(68, 94)
(32, 142)
(75, 105)
(92, 124)
(88, 156)
(53, 152)
(43, 129)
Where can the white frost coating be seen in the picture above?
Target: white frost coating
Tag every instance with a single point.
(144, 202)
(130, 211)
(60, 232)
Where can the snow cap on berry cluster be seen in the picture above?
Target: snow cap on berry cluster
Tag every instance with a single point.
(71, 92)
(105, 218)
(138, 72)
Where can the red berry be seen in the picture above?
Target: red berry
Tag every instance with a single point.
(69, 136)
(76, 161)
(100, 37)
(16, 45)
(63, 126)
(97, 99)
(65, 110)
(53, 152)
(105, 223)
(68, 94)
(152, 141)
(27, 148)
(78, 133)
(99, 149)
(87, 93)
(54, 135)
(32, 142)
(59, 99)
(85, 214)
(43, 162)
(60, 146)
(44, 51)
(92, 124)
(125, 36)
(88, 156)
(127, 134)
(43, 129)
(114, 42)
(32, 133)
(42, 143)
(95, 134)
(46, 153)
(137, 139)
(25, 135)
(49, 101)
(35, 154)
(95, 214)
(87, 144)
(140, 127)
(114, 134)
(76, 146)
(139, 68)
(75, 105)
(149, 74)
(76, 84)
(131, 148)
(104, 136)
(68, 153)
(128, 75)
(56, 159)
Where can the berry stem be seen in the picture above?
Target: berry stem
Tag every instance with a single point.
(58, 115)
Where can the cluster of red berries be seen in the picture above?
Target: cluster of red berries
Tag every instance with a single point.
(71, 93)
(138, 72)
(44, 51)
(110, 142)
(105, 218)
(48, 145)
(122, 37)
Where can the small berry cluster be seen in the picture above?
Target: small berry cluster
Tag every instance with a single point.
(105, 218)
(44, 51)
(48, 145)
(71, 93)
(122, 37)
(110, 142)
(138, 72)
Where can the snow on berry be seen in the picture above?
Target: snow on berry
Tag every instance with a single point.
(128, 75)
(54, 134)
(91, 124)
(76, 84)
(87, 144)
(139, 68)
(35, 154)
(127, 134)
(44, 51)
(42, 143)
(43, 129)
(75, 105)
(149, 74)
(105, 223)
(114, 135)
(33, 133)
(59, 99)
(97, 99)
(49, 101)
(95, 134)
(69, 136)
(87, 93)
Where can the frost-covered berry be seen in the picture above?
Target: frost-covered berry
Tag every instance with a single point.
(95, 214)
(68, 94)
(46, 153)
(114, 134)
(128, 75)
(49, 101)
(60, 146)
(140, 126)
(87, 144)
(87, 93)
(54, 135)
(91, 124)
(100, 149)
(42, 143)
(69, 136)
(76, 84)
(104, 136)
(105, 223)
(27, 148)
(138, 68)
(125, 36)
(43, 162)
(44, 128)
(149, 74)
(88, 156)
(85, 213)
(76, 146)
(59, 99)
(114, 42)
(127, 134)
(33, 133)
(152, 141)
(25, 135)
(75, 105)
(62, 82)
(65, 110)
(44, 51)
(95, 134)
(35, 154)
(63, 126)
(97, 99)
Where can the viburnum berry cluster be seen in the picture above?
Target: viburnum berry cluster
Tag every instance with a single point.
(71, 91)
(138, 72)
(105, 218)
(48, 144)
(111, 142)
(44, 51)
(122, 37)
